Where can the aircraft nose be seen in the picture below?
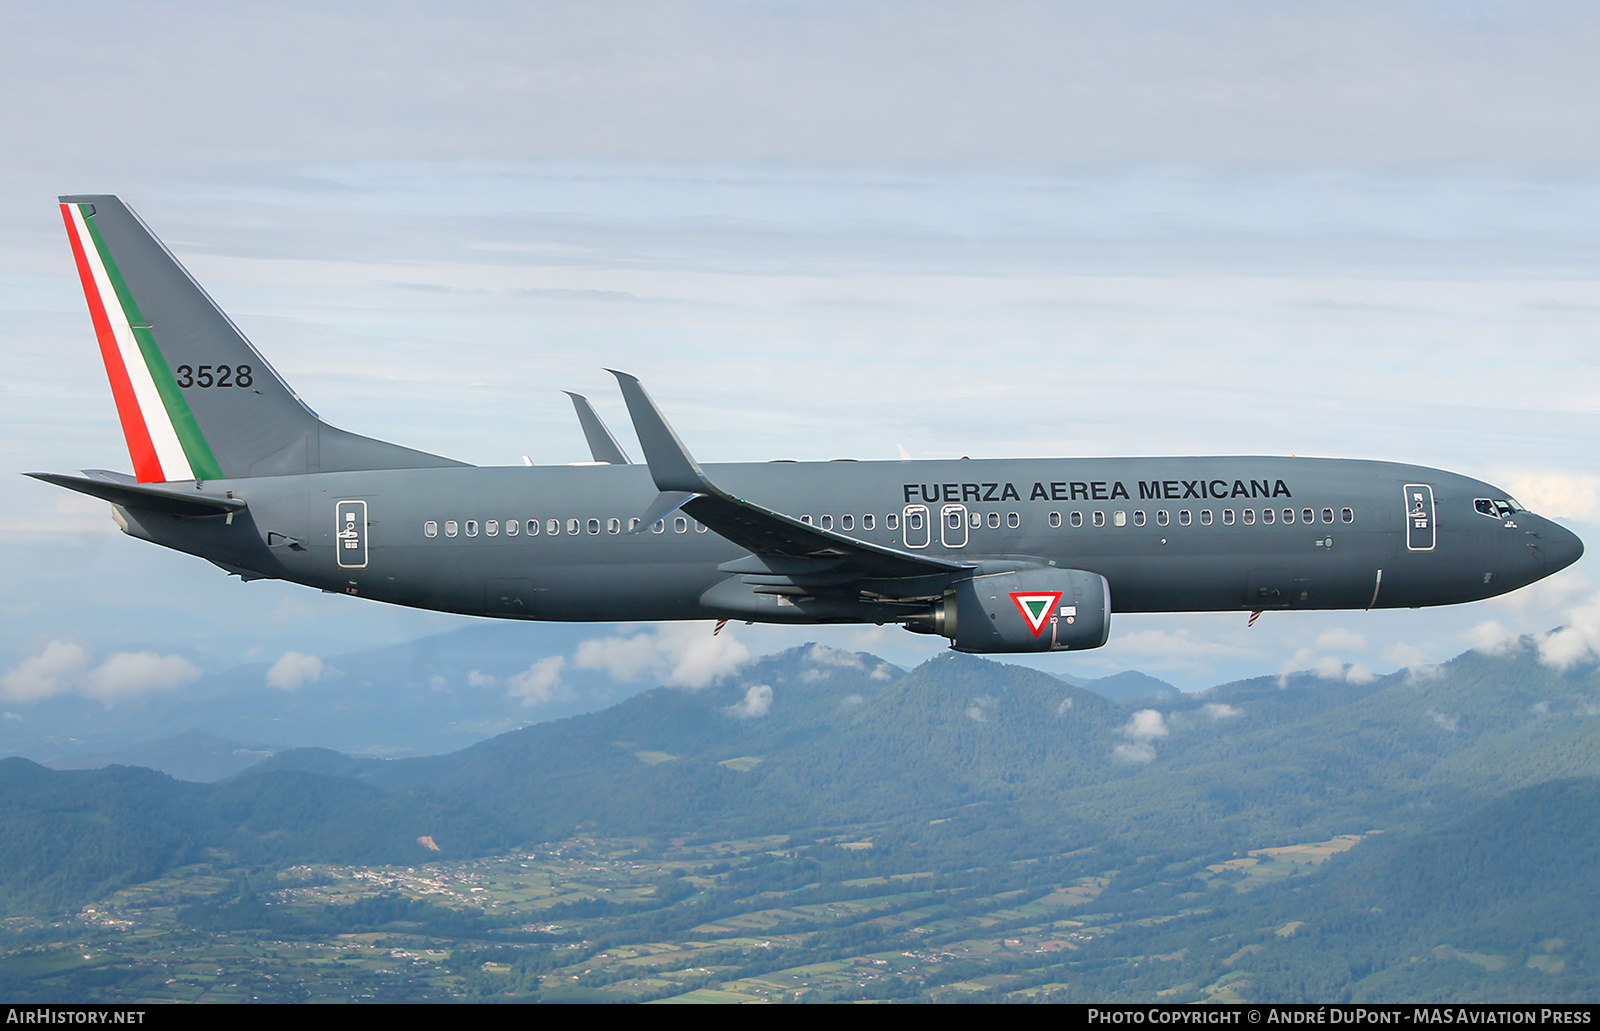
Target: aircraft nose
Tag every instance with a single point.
(1562, 547)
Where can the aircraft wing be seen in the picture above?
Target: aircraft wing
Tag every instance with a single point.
(763, 532)
(602, 445)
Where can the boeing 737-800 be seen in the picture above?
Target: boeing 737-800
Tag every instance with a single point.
(996, 555)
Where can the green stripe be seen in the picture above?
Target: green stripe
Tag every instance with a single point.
(201, 460)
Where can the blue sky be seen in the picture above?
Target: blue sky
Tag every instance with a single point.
(818, 231)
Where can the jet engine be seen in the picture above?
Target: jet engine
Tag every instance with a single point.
(1034, 609)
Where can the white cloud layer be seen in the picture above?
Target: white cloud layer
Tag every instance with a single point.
(681, 654)
(540, 682)
(755, 703)
(62, 667)
(294, 669)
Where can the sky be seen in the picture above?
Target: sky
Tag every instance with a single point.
(820, 230)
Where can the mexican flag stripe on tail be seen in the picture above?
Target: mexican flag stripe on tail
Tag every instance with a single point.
(1036, 608)
(164, 440)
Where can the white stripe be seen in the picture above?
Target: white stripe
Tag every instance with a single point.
(169, 452)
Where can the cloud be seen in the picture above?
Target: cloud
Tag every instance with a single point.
(1065, 706)
(1324, 667)
(822, 655)
(1138, 752)
(293, 670)
(1448, 723)
(681, 654)
(1577, 641)
(1405, 655)
(1221, 711)
(1491, 638)
(59, 669)
(1146, 725)
(540, 682)
(477, 679)
(1340, 639)
(1182, 643)
(1558, 495)
(753, 705)
(46, 674)
(126, 674)
(978, 709)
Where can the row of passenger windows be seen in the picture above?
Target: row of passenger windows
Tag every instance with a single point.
(1185, 517)
(914, 519)
(553, 527)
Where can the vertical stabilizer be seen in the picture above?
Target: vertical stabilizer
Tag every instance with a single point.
(195, 399)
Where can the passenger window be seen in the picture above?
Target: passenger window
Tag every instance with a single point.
(699, 527)
(574, 526)
(827, 522)
(1161, 517)
(1055, 518)
(680, 525)
(450, 528)
(974, 519)
(892, 521)
(847, 522)
(1307, 516)
(1138, 517)
(994, 520)
(1227, 517)
(659, 526)
(633, 524)
(553, 527)
(806, 519)
(1288, 516)
(594, 526)
(472, 528)
(613, 525)
(866, 522)
(533, 527)
(1119, 518)
(1205, 517)
(1267, 516)
(491, 528)
(1099, 518)
(914, 521)
(1327, 515)
(1348, 515)
(513, 527)
(1249, 516)
(1077, 519)
(1184, 517)
(430, 528)
(1013, 520)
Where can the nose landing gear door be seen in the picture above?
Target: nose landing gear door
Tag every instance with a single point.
(1420, 528)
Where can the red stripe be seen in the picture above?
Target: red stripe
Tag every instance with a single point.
(146, 464)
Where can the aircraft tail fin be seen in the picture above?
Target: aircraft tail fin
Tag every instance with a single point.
(195, 399)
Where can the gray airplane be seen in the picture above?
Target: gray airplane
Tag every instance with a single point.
(998, 556)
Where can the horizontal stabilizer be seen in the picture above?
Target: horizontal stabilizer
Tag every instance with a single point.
(139, 495)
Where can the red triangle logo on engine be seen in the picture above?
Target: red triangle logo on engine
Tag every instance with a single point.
(1036, 608)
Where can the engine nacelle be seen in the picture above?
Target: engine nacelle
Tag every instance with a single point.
(1026, 610)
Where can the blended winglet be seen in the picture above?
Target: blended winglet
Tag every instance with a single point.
(671, 466)
(602, 445)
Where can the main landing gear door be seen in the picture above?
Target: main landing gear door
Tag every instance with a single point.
(1419, 517)
(350, 534)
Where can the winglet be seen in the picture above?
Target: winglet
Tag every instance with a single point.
(671, 466)
(602, 445)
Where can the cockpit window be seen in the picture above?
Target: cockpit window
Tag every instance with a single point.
(1503, 508)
